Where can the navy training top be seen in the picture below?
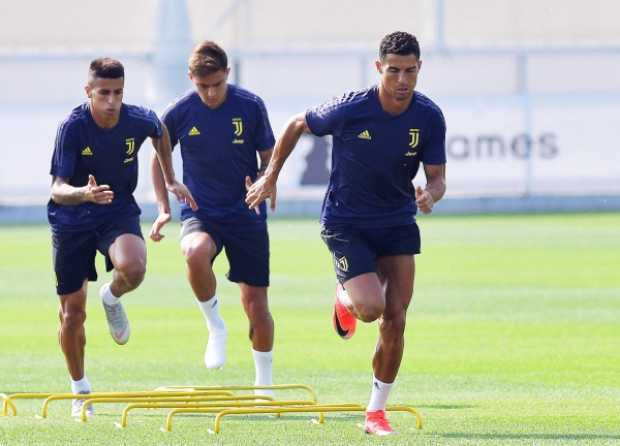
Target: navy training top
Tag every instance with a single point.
(83, 148)
(375, 157)
(219, 149)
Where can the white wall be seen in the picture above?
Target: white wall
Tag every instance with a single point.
(130, 25)
(572, 113)
(532, 22)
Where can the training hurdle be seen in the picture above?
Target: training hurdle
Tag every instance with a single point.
(274, 408)
(218, 400)
(231, 388)
(9, 403)
(130, 396)
(264, 409)
(222, 401)
(213, 407)
(8, 400)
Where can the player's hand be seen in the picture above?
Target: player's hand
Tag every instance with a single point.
(259, 192)
(183, 194)
(248, 185)
(161, 220)
(424, 200)
(99, 194)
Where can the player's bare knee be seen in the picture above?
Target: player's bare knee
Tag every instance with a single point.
(135, 278)
(198, 253)
(132, 273)
(255, 304)
(195, 260)
(370, 312)
(73, 318)
(256, 308)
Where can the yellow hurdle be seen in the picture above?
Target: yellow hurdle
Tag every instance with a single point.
(128, 396)
(317, 408)
(8, 400)
(308, 389)
(215, 406)
(271, 408)
(178, 400)
(5, 405)
(219, 400)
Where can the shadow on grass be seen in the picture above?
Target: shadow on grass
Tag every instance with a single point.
(148, 414)
(10, 392)
(532, 436)
(444, 406)
(345, 417)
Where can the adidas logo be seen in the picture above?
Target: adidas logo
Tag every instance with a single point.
(364, 135)
(87, 151)
(194, 132)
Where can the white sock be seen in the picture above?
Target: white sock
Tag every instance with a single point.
(343, 297)
(263, 364)
(81, 385)
(211, 311)
(107, 296)
(379, 395)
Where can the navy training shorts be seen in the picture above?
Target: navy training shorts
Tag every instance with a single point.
(74, 251)
(246, 247)
(355, 250)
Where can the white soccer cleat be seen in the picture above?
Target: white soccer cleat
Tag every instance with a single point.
(117, 321)
(76, 407)
(215, 353)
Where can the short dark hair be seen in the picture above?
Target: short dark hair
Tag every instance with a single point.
(207, 58)
(400, 43)
(106, 68)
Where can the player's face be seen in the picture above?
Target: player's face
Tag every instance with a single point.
(212, 87)
(106, 96)
(399, 75)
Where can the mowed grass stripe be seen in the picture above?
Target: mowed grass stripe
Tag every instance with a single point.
(512, 338)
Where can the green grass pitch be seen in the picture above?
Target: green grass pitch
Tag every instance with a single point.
(513, 338)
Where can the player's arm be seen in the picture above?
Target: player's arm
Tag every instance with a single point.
(164, 156)
(265, 186)
(66, 194)
(265, 157)
(161, 161)
(161, 198)
(435, 187)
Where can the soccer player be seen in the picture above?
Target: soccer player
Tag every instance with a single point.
(380, 137)
(95, 170)
(221, 128)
